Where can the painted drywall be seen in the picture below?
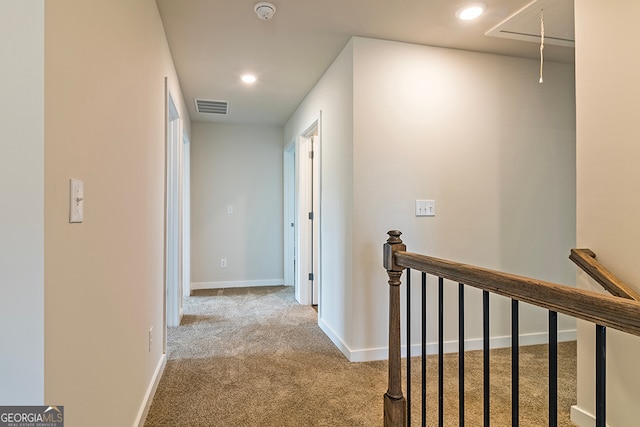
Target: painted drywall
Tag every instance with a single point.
(237, 167)
(22, 194)
(333, 96)
(475, 132)
(494, 148)
(105, 67)
(608, 180)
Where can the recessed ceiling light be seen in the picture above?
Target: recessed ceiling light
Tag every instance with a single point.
(248, 78)
(471, 11)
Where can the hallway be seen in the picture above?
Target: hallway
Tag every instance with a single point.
(255, 357)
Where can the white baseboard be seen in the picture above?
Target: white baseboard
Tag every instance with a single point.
(151, 391)
(382, 353)
(236, 284)
(582, 418)
(337, 341)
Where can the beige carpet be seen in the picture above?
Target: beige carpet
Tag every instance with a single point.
(254, 357)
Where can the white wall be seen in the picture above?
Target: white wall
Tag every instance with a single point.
(607, 93)
(475, 132)
(105, 64)
(22, 194)
(496, 151)
(238, 166)
(333, 95)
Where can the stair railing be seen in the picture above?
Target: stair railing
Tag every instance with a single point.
(618, 312)
(586, 260)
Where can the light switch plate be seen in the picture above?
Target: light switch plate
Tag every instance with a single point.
(425, 208)
(76, 200)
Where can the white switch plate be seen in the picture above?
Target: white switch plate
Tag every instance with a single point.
(425, 208)
(76, 200)
(229, 209)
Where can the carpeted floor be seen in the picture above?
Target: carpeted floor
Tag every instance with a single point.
(254, 357)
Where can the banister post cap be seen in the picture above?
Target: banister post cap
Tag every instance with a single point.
(394, 244)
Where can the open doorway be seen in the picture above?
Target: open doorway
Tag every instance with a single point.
(289, 218)
(302, 215)
(174, 214)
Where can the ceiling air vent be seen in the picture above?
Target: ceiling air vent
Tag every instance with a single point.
(206, 106)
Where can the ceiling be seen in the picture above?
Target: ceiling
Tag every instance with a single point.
(213, 42)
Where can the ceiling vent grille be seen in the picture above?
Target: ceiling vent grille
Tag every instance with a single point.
(207, 106)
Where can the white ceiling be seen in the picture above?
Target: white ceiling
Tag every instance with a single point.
(214, 41)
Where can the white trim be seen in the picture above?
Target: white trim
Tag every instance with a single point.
(289, 216)
(151, 391)
(173, 212)
(308, 189)
(381, 353)
(337, 341)
(236, 284)
(582, 418)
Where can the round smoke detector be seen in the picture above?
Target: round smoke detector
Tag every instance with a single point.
(264, 10)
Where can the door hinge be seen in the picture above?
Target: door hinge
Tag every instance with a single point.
(311, 276)
(311, 154)
(311, 216)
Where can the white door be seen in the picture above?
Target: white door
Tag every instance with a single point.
(289, 226)
(173, 215)
(314, 220)
(307, 214)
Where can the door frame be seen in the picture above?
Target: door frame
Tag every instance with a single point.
(289, 217)
(186, 218)
(307, 238)
(173, 226)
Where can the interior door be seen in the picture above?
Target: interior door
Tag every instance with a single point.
(313, 223)
(307, 212)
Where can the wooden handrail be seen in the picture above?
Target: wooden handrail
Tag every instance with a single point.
(586, 260)
(619, 311)
(606, 310)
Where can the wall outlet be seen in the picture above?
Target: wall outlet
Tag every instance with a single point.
(150, 338)
(223, 263)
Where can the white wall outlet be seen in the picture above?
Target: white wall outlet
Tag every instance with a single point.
(229, 209)
(223, 263)
(76, 200)
(150, 338)
(425, 208)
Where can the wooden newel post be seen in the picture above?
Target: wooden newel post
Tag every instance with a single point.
(395, 404)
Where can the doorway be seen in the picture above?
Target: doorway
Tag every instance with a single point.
(302, 204)
(290, 220)
(174, 213)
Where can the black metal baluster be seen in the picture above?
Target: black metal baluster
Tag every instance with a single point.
(461, 354)
(485, 348)
(601, 376)
(408, 346)
(553, 369)
(515, 365)
(440, 352)
(424, 349)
